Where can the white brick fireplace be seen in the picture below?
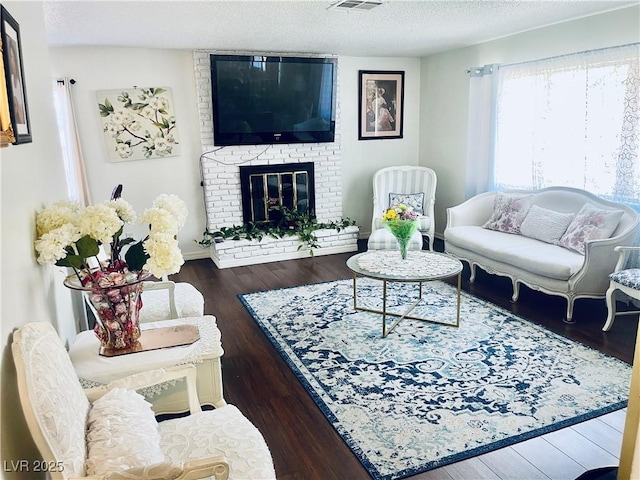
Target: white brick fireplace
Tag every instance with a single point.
(222, 192)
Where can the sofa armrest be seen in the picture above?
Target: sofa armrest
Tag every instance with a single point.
(154, 377)
(601, 259)
(475, 211)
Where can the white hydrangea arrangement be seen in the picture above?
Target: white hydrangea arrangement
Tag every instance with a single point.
(69, 235)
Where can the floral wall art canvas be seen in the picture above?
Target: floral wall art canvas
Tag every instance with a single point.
(138, 123)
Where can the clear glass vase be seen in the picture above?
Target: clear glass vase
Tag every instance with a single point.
(403, 244)
(117, 311)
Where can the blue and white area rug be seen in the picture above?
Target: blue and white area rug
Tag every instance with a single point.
(428, 395)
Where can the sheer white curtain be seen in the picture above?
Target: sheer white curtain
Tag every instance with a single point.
(77, 185)
(480, 129)
(571, 120)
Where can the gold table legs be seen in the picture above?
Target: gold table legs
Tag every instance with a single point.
(404, 315)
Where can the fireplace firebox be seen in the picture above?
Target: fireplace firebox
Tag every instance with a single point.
(267, 188)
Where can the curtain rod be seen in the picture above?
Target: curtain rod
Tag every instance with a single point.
(479, 71)
(594, 50)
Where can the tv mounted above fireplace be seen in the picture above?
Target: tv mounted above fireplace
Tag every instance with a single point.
(261, 100)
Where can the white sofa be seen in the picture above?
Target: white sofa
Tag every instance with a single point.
(541, 265)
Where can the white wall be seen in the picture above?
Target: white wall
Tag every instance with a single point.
(362, 158)
(444, 88)
(113, 68)
(31, 176)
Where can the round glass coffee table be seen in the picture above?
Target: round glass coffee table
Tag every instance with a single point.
(387, 265)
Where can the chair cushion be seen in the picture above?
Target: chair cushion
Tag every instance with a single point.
(544, 224)
(628, 278)
(383, 239)
(414, 201)
(519, 251)
(223, 431)
(123, 433)
(590, 223)
(508, 212)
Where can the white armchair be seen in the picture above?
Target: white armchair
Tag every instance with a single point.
(415, 186)
(626, 280)
(219, 443)
(166, 300)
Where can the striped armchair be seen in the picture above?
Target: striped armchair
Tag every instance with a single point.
(414, 186)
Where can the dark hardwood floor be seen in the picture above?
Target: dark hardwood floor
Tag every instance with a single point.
(305, 446)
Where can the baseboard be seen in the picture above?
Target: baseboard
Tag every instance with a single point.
(303, 253)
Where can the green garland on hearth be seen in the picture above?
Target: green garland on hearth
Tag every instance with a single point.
(292, 222)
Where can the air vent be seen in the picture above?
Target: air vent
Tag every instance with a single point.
(352, 5)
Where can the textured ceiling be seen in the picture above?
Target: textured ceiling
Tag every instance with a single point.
(395, 28)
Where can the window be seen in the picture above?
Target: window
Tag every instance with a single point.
(573, 121)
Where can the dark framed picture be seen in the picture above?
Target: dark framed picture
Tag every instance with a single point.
(6, 129)
(14, 77)
(381, 104)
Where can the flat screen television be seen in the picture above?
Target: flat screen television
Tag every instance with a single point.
(266, 100)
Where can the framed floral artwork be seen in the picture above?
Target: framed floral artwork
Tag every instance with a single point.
(138, 123)
(16, 95)
(381, 104)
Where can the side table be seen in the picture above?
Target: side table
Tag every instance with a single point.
(94, 369)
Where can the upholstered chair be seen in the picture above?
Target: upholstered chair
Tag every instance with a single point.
(165, 300)
(412, 186)
(110, 432)
(627, 281)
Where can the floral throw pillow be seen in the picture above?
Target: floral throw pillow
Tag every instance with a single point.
(412, 200)
(591, 223)
(508, 213)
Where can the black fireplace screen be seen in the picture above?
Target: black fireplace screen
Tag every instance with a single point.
(265, 189)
